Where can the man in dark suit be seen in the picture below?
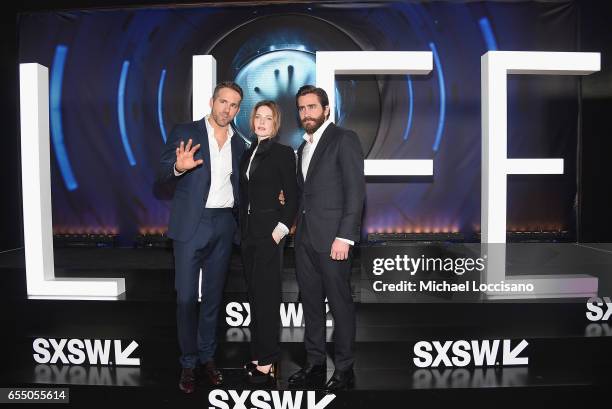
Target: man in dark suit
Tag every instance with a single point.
(205, 157)
(331, 191)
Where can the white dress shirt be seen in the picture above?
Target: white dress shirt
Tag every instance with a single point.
(309, 148)
(280, 228)
(308, 152)
(221, 193)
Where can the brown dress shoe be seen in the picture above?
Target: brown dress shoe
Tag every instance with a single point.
(187, 381)
(211, 373)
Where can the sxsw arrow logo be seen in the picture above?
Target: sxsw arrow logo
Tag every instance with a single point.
(463, 353)
(123, 357)
(77, 351)
(511, 357)
(233, 399)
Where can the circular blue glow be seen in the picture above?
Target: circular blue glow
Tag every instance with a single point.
(276, 75)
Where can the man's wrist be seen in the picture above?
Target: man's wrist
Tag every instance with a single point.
(350, 242)
(177, 171)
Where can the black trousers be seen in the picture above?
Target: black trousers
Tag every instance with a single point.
(262, 260)
(320, 276)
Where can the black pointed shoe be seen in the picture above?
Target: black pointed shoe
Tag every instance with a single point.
(309, 373)
(340, 380)
(258, 377)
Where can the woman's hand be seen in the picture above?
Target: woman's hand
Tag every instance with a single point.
(277, 236)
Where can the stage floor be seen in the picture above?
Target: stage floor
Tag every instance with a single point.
(570, 358)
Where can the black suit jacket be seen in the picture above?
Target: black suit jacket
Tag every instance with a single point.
(272, 170)
(331, 199)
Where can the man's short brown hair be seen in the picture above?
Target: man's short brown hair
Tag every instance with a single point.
(227, 84)
(311, 89)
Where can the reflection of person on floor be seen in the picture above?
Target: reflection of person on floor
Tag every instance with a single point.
(267, 168)
(331, 192)
(204, 156)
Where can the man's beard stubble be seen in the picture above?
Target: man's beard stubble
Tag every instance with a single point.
(311, 127)
(218, 118)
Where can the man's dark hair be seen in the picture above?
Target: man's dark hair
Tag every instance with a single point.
(227, 84)
(311, 89)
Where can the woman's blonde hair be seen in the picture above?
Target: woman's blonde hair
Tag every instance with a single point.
(276, 115)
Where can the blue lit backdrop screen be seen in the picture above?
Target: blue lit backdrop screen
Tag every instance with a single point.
(120, 79)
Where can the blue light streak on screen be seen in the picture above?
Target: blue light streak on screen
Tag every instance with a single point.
(487, 33)
(410, 107)
(121, 113)
(442, 87)
(55, 111)
(160, 109)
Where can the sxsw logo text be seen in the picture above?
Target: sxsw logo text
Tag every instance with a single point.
(463, 353)
(598, 309)
(291, 314)
(80, 351)
(232, 399)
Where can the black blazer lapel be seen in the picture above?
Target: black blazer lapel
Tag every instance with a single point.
(300, 152)
(244, 162)
(237, 154)
(263, 150)
(323, 142)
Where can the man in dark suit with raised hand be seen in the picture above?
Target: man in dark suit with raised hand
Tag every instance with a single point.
(204, 156)
(331, 192)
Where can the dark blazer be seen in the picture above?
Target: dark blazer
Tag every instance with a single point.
(272, 169)
(331, 199)
(193, 186)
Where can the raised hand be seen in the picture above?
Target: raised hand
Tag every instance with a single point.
(184, 157)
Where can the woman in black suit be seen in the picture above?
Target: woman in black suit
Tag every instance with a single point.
(266, 168)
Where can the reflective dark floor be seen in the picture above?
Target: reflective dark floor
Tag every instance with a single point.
(569, 357)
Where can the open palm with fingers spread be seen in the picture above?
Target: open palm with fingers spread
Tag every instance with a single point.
(184, 157)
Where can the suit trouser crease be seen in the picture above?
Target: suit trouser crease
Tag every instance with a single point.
(210, 249)
(318, 277)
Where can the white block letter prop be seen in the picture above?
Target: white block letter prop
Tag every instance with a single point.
(495, 68)
(330, 63)
(36, 187)
(204, 81)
